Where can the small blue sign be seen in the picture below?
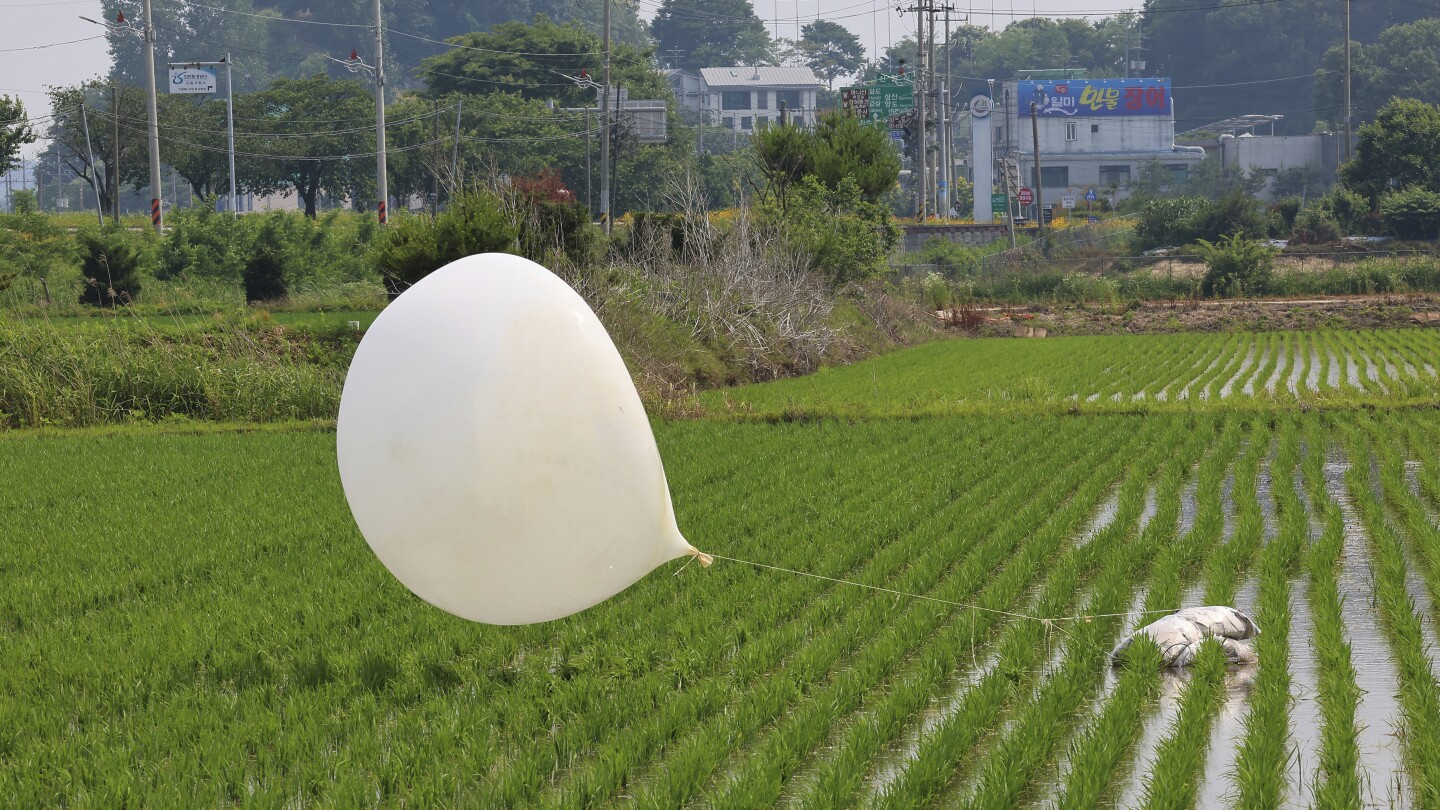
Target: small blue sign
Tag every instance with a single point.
(1090, 195)
(1092, 219)
(897, 134)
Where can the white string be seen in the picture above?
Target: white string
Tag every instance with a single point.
(1047, 620)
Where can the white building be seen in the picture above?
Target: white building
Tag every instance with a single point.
(1094, 133)
(1268, 154)
(745, 98)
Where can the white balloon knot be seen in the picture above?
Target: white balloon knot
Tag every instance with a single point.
(705, 559)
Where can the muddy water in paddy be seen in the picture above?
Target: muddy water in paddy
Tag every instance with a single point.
(1277, 373)
(1332, 370)
(1172, 686)
(1228, 730)
(1305, 721)
(1239, 374)
(1297, 368)
(1378, 712)
(1352, 372)
(1312, 380)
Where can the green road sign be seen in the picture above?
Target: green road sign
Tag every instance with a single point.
(999, 203)
(879, 102)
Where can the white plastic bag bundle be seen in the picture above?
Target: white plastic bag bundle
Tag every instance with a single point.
(1180, 635)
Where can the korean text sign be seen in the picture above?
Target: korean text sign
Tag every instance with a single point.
(1095, 97)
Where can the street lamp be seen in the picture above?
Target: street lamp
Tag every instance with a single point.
(148, 33)
(357, 65)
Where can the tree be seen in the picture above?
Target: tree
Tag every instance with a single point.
(533, 60)
(711, 33)
(310, 136)
(195, 143)
(840, 149)
(15, 131)
(1403, 63)
(829, 49)
(1396, 151)
(846, 147)
(127, 110)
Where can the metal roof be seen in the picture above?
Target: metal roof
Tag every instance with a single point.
(751, 76)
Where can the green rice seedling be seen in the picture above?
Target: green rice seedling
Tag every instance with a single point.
(1419, 692)
(1172, 783)
(1261, 763)
(738, 729)
(932, 767)
(1035, 733)
(1338, 782)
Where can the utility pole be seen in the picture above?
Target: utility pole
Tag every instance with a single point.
(1039, 184)
(230, 128)
(90, 153)
(435, 169)
(115, 151)
(932, 187)
(1348, 131)
(152, 112)
(947, 114)
(922, 176)
(381, 179)
(605, 128)
(456, 186)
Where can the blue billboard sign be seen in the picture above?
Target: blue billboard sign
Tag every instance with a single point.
(1095, 97)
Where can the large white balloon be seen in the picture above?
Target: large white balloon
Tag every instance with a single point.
(494, 450)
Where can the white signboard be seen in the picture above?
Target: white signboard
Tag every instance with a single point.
(1067, 201)
(193, 80)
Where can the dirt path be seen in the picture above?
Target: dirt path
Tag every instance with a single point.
(1348, 312)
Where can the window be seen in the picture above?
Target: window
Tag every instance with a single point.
(735, 100)
(1072, 131)
(1179, 172)
(1114, 175)
(790, 98)
(1094, 128)
(762, 99)
(728, 122)
(1054, 176)
(746, 122)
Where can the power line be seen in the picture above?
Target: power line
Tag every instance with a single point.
(51, 45)
(277, 19)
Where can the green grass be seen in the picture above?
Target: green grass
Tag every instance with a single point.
(1142, 373)
(189, 617)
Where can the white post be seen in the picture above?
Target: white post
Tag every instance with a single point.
(982, 162)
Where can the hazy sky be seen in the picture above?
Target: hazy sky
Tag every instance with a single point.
(28, 23)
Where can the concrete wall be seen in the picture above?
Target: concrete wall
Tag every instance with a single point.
(969, 235)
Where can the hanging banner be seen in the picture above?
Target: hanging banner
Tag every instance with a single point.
(1095, 97)
(193, 80)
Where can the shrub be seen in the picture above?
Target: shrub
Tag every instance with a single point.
(1236, 214)
(1349, 211)
(1314, 226)
(1282, 216)
(199, 241)
(1236, 267)
(413, 247)
(550, 222)
(845, 238)
(937, 291)
(957, 261)
(1169, 222)
(1412, 213)
(266, 268)
(110, 265)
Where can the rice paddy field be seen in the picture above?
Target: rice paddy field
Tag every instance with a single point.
(188, 616)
